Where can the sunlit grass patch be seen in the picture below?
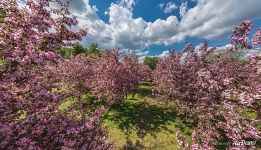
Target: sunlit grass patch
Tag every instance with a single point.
(65, 105)
(139, 125)
(141, 122)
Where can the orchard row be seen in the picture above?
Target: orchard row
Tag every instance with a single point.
(212, 89)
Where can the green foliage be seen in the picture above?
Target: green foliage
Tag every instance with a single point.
(2, 62)
(2, 14)
(65, 105)
(151, 62)
(249, 113)
(93, 50)
(226, 55)
(67, 52)
(78, 49)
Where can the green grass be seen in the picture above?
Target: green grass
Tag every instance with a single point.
(66, 104)
(249, 113)
(88, 104)
(141, 122)
(2, 62)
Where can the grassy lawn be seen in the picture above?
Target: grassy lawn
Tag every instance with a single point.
(141, 122)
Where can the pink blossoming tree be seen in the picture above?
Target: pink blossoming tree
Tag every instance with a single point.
(30, 118)
(214, 95)
(239, 38)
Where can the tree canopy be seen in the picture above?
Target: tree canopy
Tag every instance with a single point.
(151, 62)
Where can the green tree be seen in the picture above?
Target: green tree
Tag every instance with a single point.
(78, 49)
(66, 52)
(69, 52)
(151, 62)
(93, 50)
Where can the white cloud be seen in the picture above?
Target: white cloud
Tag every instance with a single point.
(21, 3)
(122, 31)
(82, 9)
(222, 48)
(252, 52)
(127, 3)
(183, 9)
(208, 19)
(168, 8)
(162, 31)
(164, 54)
(216, 18)
(128, 32)
(142, 53)
(125, 32)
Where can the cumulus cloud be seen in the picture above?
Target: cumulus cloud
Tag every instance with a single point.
(164, 54)
(82, 9)
(216, 18)
(122, 31)
(126, 32)
(207, 19)
(162, 31)
(142, 54)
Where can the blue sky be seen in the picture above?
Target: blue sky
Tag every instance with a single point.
(151, 27)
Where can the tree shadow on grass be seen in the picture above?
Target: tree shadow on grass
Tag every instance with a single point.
(133, 145)
(146, 83)
(144, 91)
(145, 118)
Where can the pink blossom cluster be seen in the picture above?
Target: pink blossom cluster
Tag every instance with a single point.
(239, 37)
(257, 38)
